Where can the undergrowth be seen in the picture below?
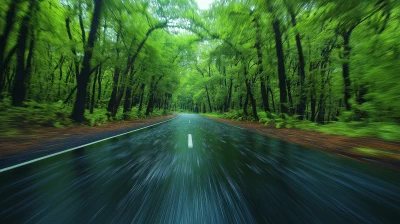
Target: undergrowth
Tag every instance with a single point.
(33, 114)
(383, 130)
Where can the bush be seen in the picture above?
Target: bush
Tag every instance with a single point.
(32, 114)
(98, 117)
(233, 114)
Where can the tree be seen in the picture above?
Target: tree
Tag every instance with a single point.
(83, 78)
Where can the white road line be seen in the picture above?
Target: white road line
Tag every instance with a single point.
(189, 121)
(190, 142)
(74, 148)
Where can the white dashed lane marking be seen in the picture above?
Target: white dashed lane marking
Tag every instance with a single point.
(190, 142)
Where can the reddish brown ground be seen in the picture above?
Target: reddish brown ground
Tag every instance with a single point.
(340, 145)
(57, 137)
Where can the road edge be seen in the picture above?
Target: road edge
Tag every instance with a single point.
(77, 147)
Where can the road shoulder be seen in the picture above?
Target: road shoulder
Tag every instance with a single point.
(49, 140)
(385, 153)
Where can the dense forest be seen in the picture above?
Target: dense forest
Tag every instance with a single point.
(301, 60)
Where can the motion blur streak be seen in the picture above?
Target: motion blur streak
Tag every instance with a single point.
(229, 176)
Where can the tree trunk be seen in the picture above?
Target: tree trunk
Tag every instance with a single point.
(289, 91)
(128, 93)
(281, 59)
(78, 113)
(260, 68)
(301, 107)
(281, 67)
(150, 103)
(21, 76)
(313, 101)
(272, 98)
(99, 85)
(252, 101)
(9, 23)
(73, 50)
(228, 103)
(93, 98)
(114, 92)
(246, 102)
(60, 78)
(141, 96)
(250, 95)
(208, 99)
(346, 69)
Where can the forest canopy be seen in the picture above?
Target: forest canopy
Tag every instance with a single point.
(322, 61)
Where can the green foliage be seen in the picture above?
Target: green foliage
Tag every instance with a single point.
(99, 117)
(376, 153)
(382, 130)
(233, 114)
(32, 114)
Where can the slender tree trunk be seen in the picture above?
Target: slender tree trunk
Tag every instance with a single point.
(252, 102)
(272, 99)
(313, 101)
(141, 96)
(83, 78)
(8, 26)
(281, 67)
(228, 103)
(150, 104)
(346, 69)
(246, 102)
(60, 78)
(93, 96)
(281, 59)
(289, 91)
(301, 107)
(260, 68)
(128, 92)
(73, 50)
(99, 84)
(114, 91)
(208, 99)
(321, 102)
(250, 95)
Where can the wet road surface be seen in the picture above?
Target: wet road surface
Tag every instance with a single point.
(230, 175)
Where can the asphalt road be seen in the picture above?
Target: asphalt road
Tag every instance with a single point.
(230, 175)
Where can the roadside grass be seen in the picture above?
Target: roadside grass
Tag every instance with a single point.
(16, 120)
(375, 153)
(389, 131)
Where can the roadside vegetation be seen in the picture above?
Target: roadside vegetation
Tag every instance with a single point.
(33, 115)
(382, 130)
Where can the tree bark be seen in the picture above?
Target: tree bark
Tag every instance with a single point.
(93, 96)
(250, 95)
(246, 102)
(21, 76)
(346, 69)
(228, 102)
(281, 60)
(141, 96)
(208, 99)
(301, 107)
(99, 84)
(83, 78)
(128, 92)
(281, 68)
(9, 24)
(260, 67)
